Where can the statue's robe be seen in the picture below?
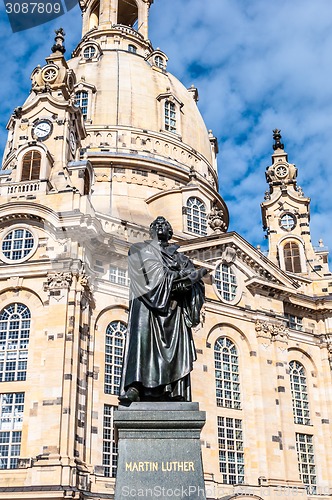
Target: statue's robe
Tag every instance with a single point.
(160, 351)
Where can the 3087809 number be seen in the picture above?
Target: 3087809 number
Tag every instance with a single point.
(33, 8)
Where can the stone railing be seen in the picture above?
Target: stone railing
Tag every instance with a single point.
(150, 144)
(128, 30)
(23, 187)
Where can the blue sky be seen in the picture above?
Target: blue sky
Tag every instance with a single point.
(258, 65)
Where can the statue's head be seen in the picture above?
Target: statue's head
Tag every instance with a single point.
(161, 229)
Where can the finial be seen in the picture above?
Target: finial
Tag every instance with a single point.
(59, 40)
(276, 137)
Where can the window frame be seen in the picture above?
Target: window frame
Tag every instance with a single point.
(227, 384)
(281, 253)
(85, 115)
(300, 404)
(88, 56)
(239, 286)
(110, 447)
(118, 274)
(159, 61)
(172, 99)
(311, 485)
(33, 249)
(170, 116)
(31, 152)
(190, 215)
(14, 342)
(289, 217)
(132, 48)
(231, 445)
(11, 423)
(113, 344)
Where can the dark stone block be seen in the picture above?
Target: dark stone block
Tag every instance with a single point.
(159, 451)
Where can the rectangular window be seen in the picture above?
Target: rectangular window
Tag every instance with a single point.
(144, 173)
(306, 461)
(110, 448)
(231, 455)
(119, 276)
(170, 116)
(294, 322)
(11, 418)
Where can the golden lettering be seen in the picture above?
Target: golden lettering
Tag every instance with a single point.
(142, 466)
(177, 466)
(165, 466)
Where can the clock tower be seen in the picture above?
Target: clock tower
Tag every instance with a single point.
(46, 133)
(286, 218)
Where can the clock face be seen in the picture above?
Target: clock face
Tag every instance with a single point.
(281, 171)
(42, 130)
(50, 73)
(72, 142)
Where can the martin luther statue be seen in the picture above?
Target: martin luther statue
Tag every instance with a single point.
(166, 296)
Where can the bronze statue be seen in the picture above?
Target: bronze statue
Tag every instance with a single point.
(166, 296)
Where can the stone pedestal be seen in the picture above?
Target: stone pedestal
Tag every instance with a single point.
(159, 451)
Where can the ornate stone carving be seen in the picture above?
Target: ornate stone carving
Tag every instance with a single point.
(272, 331)
(277, 140)
(58, 281)
(84, 280)
(87, 292)
(228, 256)
(59, 41)
(327, 342)
(217, 220)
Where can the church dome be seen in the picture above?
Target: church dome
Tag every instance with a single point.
(131, 92)
(144, 129)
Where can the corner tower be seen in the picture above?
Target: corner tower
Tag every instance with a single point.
(286, 218)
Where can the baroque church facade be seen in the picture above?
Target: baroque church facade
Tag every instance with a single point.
(105, 142)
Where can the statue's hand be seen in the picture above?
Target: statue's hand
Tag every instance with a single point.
(182, 286)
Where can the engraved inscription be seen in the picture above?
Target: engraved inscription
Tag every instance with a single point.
(160, 466)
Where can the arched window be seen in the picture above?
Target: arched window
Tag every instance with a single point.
(89, 52)
(14, 342)
(226, 366)
(132, 48)
(170, 116)
(31, 166)
(127, 12)
(94, 16)
(226, 282)
(159, 62)
(292, 257)
(115, 341)
(196, 216)
(81, 101)
(299, 390)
